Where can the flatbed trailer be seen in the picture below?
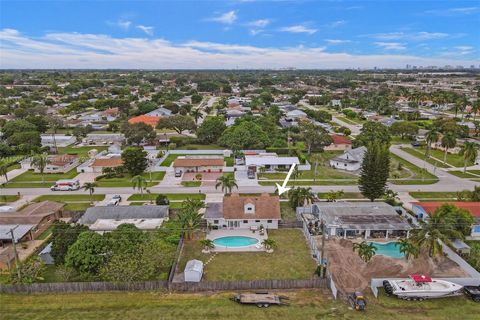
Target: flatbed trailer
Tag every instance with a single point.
(473, 292)
(260, 299)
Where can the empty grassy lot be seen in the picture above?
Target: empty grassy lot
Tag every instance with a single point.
(126, 181)
(290, 260)
(418, 175)
(454, 160)
(304, 305)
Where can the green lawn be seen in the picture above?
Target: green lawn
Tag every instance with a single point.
(454, 160)
(173, 205)
(171, 158)
(13, 167)
(70, 197)
(417, 175)
(303, 305)
(201, 147)
(82, 152)
(191, 183)
(348, 120)
(420, 153)
(288, 214)
(434, 195)
(170, 196)
(77, 206)
(290, 260)
(291, 183)
(126, 181)
(45, 234)
(474, 258)
(8, 198)
(347, 195)
(30, 179)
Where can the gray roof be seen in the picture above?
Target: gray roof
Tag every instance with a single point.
(360, 215)
(123, 212)
(18, 233)
(214, 210)
(353, 155)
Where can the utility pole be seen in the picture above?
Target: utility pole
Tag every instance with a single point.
(322, 251)
(17, 260)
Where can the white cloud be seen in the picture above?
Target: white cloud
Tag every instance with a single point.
(336, 41)
(391, 45)
(299, 29)
(97, 51)
(260, 23)
(147, 30)
(454, 11)
(227, 18)
(413, 36)
(337, 23)
(122, 24)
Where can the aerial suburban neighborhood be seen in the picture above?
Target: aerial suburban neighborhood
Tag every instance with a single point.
(193, 192)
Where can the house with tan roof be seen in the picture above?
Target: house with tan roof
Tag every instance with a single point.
(106, 162)
(244, 212)
(199, 163)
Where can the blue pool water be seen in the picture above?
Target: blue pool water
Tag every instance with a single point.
(389, 249)
(235, 241)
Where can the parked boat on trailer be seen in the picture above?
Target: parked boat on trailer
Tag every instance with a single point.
(420, 287)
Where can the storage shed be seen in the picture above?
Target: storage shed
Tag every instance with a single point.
(193, 271)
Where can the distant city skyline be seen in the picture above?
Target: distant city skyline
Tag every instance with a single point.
(243, 34)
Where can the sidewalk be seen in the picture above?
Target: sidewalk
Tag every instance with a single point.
(12, 174)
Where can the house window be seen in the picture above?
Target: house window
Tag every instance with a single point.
(257, 220)
(269, 221)
(215, 221)
(245, 221)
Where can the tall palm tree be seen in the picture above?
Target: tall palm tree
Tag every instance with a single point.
(227, 182)
(409, 249)
(4, 171)
(40, 161)
(300, 196)
(139, 182)
(449, 140)
(365, 250)
(196, 114)
(432, 232)
(55, 123)
(190, 221)
(470, 153)
(431, 137)
(90, 187)
(475, 109)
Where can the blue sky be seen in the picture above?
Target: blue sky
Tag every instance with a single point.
(243, 34)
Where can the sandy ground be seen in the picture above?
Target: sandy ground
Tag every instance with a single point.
(352, 273)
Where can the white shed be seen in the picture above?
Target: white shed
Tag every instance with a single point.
(193, 271)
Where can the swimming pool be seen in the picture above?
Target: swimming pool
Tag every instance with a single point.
(389, 249)
(235, 241)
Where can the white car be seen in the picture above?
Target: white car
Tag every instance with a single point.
(6, 209)
(115, 201)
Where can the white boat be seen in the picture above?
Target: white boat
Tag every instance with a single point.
(420, 287)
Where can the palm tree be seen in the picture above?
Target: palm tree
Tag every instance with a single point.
(432, 232)
(90, 187)
(299, 196)
(139, 182)
(196, 114)
(193, 204)
(475, 109)
(449, 140)
(269, 244)
(431, 137)
(207, 244)
(470, 153)
(55, 123)
(365, 250)
(40, 161)
(227, 182)
(408, 248)
(295, 174)
(190, 221)
(4, 171)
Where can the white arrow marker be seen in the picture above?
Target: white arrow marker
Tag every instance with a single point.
(283, 188)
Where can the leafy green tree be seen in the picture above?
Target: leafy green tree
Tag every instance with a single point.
(211, 129)
(125, 239)
(140, 183)
(63, 236)
(40, 161)
(469, 152)
(31, 271)
(408, 248)
(88, 254)
(373, 132)
(162, 200)
(461, 219)
(431, 137)
(190, 221)
(227, 182)
(375, 171)
(404, 128)
(137, 133)
(134, 160)
(245, 135)
(269, 244)
(365, 250)
(314, 137)
(299, 196)
(196, 114)
(179, 123)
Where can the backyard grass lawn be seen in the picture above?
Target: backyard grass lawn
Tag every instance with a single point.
(8, 198)
(170, 196)
(420, 153)
(303, 305)
(82, 152)
(290, 260)
(474, 258)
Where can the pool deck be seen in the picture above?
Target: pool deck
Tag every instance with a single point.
(214, 234)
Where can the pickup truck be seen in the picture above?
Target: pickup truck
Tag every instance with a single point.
(473, 292)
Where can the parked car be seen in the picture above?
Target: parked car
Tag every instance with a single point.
(178, 173)
(250, 174)
(416, 144)
(115, 201)
(6, 209)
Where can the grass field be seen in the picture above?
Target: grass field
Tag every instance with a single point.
(82, 152)
(304, 305)
(126, 181)
(70, 197)
(171, 158)
(434, 195)
(30, 179)
(201, 147)
(420, 153)
(290, 260)
(191, 183)
(170, 196)
(455, 160)
(8, 198)
(288, 214)
(420, 176)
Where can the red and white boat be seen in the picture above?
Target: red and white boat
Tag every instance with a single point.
(420, 287)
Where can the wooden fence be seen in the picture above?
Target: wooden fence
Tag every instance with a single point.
(164, 285)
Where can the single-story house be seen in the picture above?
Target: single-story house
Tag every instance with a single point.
(61, 140)
(242, 212)
(350, 160)
(100, 163)
(296, 114)
(425, 209)
(99, 139)
(360, 219)
(339, 142)
(108, 218)
(150, 120)
(193, 271)
(199, 163)
(269, 161)
(160, 112)
(35, 218)
(60, 163)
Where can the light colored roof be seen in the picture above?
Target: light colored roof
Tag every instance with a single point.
(20, 230)
(194, 265)
(123, 212)
(262, 160)
(112, 224)
(266, 207)
(352, 155)
(198, 162)
(62, 159)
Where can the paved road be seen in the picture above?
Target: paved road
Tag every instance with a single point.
(355, 129)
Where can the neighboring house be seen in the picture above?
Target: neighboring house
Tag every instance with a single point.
(61, 140)
(34, 218)
(335, 103)
(360, 219)
(339, 142)
(241, 212)
(425, 209)
(108, 218)
(109, 161)
(150, 120)
(160, 112)
(199, 163)
(296, 114)
(387, 121)
(269, 162)
(99, 139)
(350, 160)
(55, 164)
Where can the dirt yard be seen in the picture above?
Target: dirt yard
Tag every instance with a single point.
(352, 273)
